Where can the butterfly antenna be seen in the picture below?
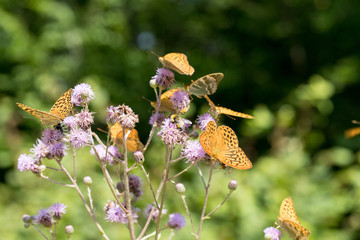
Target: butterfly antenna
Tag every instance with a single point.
(149, 51)
(99, 129)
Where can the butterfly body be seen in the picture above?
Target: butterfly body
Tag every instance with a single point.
(221, 143)
(205, 85)
(177, 62)
(57, 113)
(289, 222)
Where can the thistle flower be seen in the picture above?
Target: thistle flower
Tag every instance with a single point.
(114, 213)
(176, 221)
(69, 229)
(40, 150)
(232, 185)
(193, 151)
(50, 136)
(164, 78)
(111, 151)
(25, 162)
(203, 120)
(44, 218)
(155, 215)
(112, 114)
(139, 157)
(79, 138)
(71, 122)
(122, 114)
(84, 119)
(180, 99)
(272, 233)
(57, 150)
(159, 119)
(170, 134)
(57, 210)
(82, 94)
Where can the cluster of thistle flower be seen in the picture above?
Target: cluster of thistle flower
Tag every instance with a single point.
(76, 133)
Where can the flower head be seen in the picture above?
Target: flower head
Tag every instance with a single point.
(44, 218)
(57, 150)
(272, 233)
(203, 120)
(155, 214)
(122, 114)
(50, 136)
(40, 150)
(82, 94)
(164, 77)
(84, 119)
(170, 134)
(71, 122)
(114, 213)
(79, 138)
(193, 151)
(139, 157)
(180, 99)
(159, 119)
(134, 183)
(176, 221)
(111, 151)
(57, 210)
(25, 162)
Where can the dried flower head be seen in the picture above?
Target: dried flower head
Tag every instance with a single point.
(122, 114)
(82, 94)
(164, 78)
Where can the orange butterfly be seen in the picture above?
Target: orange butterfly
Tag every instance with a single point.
(133, 142)
(58, 111)
(177, 62)
(289, 222)
(222, 143)
(221, 110)
(352, 132)
(166, 104)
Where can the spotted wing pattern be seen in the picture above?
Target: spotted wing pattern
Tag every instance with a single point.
(221, 143)
(58, 112)
(166, 103)
(133, 142)
(205, 85)
(177, 62)
(289, 222)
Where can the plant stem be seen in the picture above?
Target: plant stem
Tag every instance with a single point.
(188, 212)
(222, 203)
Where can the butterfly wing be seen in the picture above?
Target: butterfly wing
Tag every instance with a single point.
(177, 62)
(226, 111)
(207, 138)
(166, 103)
(133, 142)
(205, 85)
(352, 132)
(63, 105)
(45, 117)
(228, 150)
(287, 210)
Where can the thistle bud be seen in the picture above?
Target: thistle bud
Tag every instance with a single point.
(180, 188)
(232, 185)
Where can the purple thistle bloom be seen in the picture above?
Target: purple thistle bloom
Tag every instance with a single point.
(40, 150)
(112, 150)
(57, 150)
(272, 233)
(71, 122)
(176, 221)
(50, 136)
(172, 135)
(164, 77)
(84, 119)
(114, 213)
(112, 114)
(122, 114)
(193, 151)
(82, 94)
(155, 214)
(25, 162)
(159, 120)
(203, 120)
(44, 218)
(79, 138)
(180, 99)
(57, 210)
(134, 183)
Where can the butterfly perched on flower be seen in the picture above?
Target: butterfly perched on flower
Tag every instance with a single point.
(177, 62)
(133, 142)
(222, 143)
(57, 113)
(289, 222)
(216, 110)
(206, 85)
(166, 104)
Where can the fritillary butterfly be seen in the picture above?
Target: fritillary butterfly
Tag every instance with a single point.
(57, 113)
(289, 222)
(133, 142)
(166, 104)
(177, 62)
(206, 85)
(222, 143)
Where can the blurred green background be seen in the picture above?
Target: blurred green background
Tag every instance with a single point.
(292, 64)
